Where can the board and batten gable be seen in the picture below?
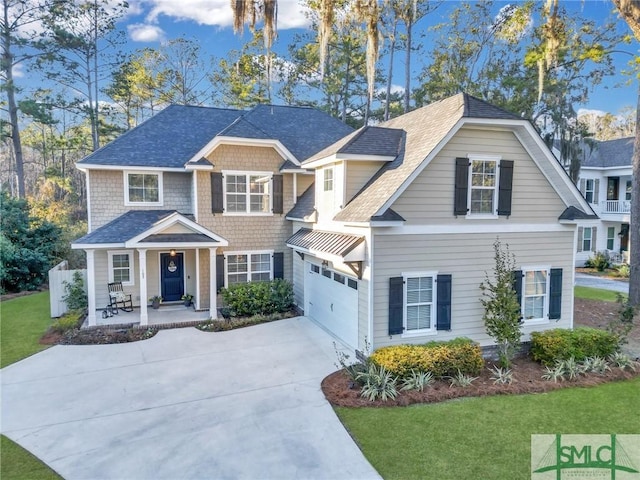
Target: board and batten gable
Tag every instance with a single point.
(466, 257)
(107, 196)
(429, 198)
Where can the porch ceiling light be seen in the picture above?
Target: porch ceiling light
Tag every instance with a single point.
(172, 252)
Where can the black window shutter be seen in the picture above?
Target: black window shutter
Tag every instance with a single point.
(219, 272)
(277, 193)
(278, 265)
(396, 305)
(517, 285)
(555, 293)
(505, 187)
(444, 303)
(217, 204)
(461, 187)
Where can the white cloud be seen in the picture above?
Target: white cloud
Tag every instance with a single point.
(218, 12)
(394, 89)
(595, 113)
(18, 70)
(142, 32)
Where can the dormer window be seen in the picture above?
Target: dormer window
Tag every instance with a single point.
(143, 188)
(328, 179)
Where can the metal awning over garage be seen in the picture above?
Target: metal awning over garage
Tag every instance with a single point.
(341, 247)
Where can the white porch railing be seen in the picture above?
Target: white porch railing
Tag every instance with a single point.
(616, 206)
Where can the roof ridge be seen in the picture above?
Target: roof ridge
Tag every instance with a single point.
(467, 96)
(202, 106)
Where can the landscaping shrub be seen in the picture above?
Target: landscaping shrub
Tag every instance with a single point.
(600, 261)
(440, 358)
(562, 344)
(68, 321)
(624, 270)
(75, 296)
(258, 298)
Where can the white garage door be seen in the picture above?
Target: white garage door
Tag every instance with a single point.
(332, 300)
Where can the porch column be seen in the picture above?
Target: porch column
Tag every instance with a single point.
(142, 260)
(197, 300)
(213, 301)
(91, 288)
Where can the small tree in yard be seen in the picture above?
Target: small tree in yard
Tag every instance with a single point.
(501, 308)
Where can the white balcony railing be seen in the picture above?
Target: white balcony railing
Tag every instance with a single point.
(616, 206)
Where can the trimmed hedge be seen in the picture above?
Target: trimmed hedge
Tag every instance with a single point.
(440, 358)
(561, 344)
(258, 298)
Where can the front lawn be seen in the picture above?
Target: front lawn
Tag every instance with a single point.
(18, 464)
(485, 437)
(24, 321)
(589, 293)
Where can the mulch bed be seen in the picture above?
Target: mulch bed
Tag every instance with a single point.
(98, 336)
(527, 374)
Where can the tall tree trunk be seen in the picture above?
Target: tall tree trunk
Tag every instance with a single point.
(407, 67)
(634, 260)
(96, 111)
(7, 66)
(390, 74)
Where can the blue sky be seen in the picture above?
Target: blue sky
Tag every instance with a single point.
(150, 22)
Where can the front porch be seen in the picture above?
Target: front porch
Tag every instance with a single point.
(165, 315)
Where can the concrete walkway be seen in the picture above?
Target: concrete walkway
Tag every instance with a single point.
(244, 404)
(584, 280)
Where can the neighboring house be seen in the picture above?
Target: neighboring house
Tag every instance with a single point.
(605, 182)
(393, 228)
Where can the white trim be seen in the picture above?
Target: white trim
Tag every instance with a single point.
(172, 220)
(370, 265)
(194, 195)
(494, 207)
(248, 253)
(90, 166)
(88, 187)
(94, 246)
(110, 254)
(545, 314)
(192, 167)
(91, 287)
(197, 296)
(247, 142)
(129, 203)
(142, 262)
(248, 174)
(295, 188)
(351, 157)
(481, 227)
(434, 304)
(213, 288)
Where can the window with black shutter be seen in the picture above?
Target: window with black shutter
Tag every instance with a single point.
(396, 305)
(555, 293)
(278, 194)
(278, 265)
(443, 308)
(217, 193)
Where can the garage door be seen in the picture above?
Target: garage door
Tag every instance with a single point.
(332, 300)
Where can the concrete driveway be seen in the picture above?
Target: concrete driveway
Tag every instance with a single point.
(584, 280)
(185, 405)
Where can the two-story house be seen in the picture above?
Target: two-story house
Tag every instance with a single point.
(385, 232)
(605, 181)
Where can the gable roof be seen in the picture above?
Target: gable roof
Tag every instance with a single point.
(176, 134)
(426, 130)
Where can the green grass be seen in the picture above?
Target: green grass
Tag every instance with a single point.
(485, 437)
(589, 293)
(23, 321)
(17, 463)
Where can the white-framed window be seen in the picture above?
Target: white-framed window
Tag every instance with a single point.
(419, 303)
(143, 188)
(611, 237)
(587, 239)
(535, 294)
(627, 191)
(243, 267)
(589, 189)
(120, 266)
(327, 179)
(483, 185)
(248, 193)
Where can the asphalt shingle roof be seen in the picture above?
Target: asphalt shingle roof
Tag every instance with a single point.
(173, 136)
(167, 140)
(609, 153)
(424, 128)
(305, 205)
(125, 227)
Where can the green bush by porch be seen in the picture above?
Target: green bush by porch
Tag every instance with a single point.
(258, 298)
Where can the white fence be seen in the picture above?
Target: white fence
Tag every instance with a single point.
(57, 276)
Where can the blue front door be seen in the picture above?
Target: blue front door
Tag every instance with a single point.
(171, 276)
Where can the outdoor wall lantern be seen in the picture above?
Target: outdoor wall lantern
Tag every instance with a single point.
(172, 252)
